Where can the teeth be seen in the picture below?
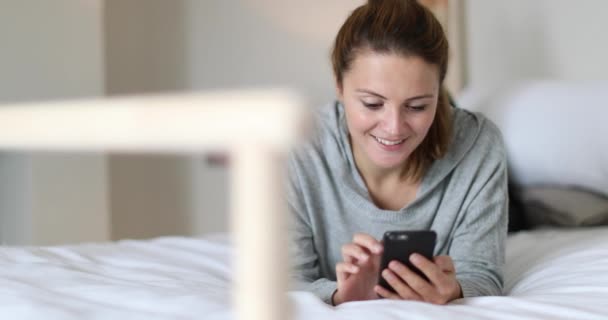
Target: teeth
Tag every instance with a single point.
(388, 142)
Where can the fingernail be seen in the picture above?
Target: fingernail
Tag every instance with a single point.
(363, 257)
(378, 249)
(386, 274)
(415, 258)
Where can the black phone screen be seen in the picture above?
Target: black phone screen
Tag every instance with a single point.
(399, 245)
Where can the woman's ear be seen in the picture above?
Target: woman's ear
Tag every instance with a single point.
(340, 92)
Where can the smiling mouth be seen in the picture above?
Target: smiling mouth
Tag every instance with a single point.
(388, 142)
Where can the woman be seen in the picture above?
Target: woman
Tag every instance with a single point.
(392, 154)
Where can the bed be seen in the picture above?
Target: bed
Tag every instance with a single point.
(551, 274)
(554, 271)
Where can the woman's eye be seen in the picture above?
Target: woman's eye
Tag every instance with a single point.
(418, 108)
(372, 105)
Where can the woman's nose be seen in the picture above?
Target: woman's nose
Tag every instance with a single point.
(393, 121)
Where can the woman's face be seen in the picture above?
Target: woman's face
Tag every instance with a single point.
(390, 102)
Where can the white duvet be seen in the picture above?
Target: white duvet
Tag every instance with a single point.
(550, 274)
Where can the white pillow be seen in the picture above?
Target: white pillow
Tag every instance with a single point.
(556, 133)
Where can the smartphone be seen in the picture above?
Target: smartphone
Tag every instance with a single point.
(399, 245)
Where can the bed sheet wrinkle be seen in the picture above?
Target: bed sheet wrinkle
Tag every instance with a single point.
(63, 306)
(535, 257)
(550, 274)
(543, 307)
(181, 254)
(119, 277)
(389, 310)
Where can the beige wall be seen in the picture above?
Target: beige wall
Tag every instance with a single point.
(200, 45)
(69, 198)
(145, 46)
(52, 50)
(151, 195)
(145, 53)
(519, 39)
(15, 195)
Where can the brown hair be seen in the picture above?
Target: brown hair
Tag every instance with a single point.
(404, 27)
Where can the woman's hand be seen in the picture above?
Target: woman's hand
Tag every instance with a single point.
(358, 272)
(441, 288)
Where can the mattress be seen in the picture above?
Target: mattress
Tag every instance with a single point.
(550, 274)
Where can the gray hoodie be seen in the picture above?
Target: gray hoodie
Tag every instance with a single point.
(462, 197)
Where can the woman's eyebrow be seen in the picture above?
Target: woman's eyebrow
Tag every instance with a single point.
(422, 96)
(371, 92)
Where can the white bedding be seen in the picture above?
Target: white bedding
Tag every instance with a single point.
(550, 274)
